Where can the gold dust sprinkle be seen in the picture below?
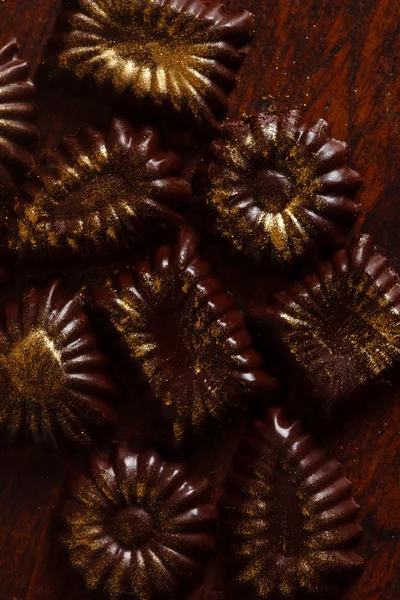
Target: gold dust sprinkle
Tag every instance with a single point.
(159, 50)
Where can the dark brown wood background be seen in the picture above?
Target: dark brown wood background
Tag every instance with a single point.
(336, 59)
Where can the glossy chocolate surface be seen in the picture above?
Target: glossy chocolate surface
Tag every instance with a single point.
(54, 386)
(138, 525)
(281, 187)
(18, 131)
(288, 517)
(339, 328)
(175, 320)
(179, 53)
(96, 191)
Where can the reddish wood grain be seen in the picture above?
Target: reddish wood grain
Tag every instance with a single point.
(336, 59)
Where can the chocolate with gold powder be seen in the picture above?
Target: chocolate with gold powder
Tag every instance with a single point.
(173, 53)
(338, 329)
(176, 321)
(288, 517)
(110, 207)
(139, 525)
(281, 188)
(54, 386)
(97, 191)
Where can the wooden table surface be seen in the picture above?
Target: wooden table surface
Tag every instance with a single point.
(336, 59)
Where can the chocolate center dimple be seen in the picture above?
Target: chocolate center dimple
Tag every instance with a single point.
(133, 526)
(287, 521)
(144, 45)
(89, 196)
(347, 334)
(274, 190)
(168, 333)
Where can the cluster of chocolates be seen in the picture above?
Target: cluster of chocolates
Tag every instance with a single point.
(116, 331)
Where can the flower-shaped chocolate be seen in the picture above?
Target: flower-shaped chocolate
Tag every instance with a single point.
(288, 515)
(178, 322)
(53, 385)
(176, 52)
(138, 525)
(280, 186)
(96, 189)
(18, 131)
(339, 328)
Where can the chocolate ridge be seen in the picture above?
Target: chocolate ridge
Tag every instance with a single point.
(53, 378)
(176, 54)
(281, 188)
(288, 517)
(175, 319)
(92, 194)
(138, 525)
(18, 132)
(338, 329)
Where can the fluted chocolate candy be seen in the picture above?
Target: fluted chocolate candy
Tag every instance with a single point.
(139, 525)
(288, 518)
(54, 385)
(18, 131)
(176, 321)
(281, 187)
(177, 53)
(96, 191)
(338, 329)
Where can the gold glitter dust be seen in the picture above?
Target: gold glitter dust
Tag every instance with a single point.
(370, 326)
(192, 363)
(96, 189)
(139, 544)
(274, 185)
(189, 349)
(26, 363)
(166, 51)
(43, 384)
(342, 350)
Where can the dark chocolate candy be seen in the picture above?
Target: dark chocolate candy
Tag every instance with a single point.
(139, 525)
(178, 53)
(177, 322)
(18, 132)
(53, 382)
(288, 517)
(96, 191)
(281, 187)
(338, 329)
